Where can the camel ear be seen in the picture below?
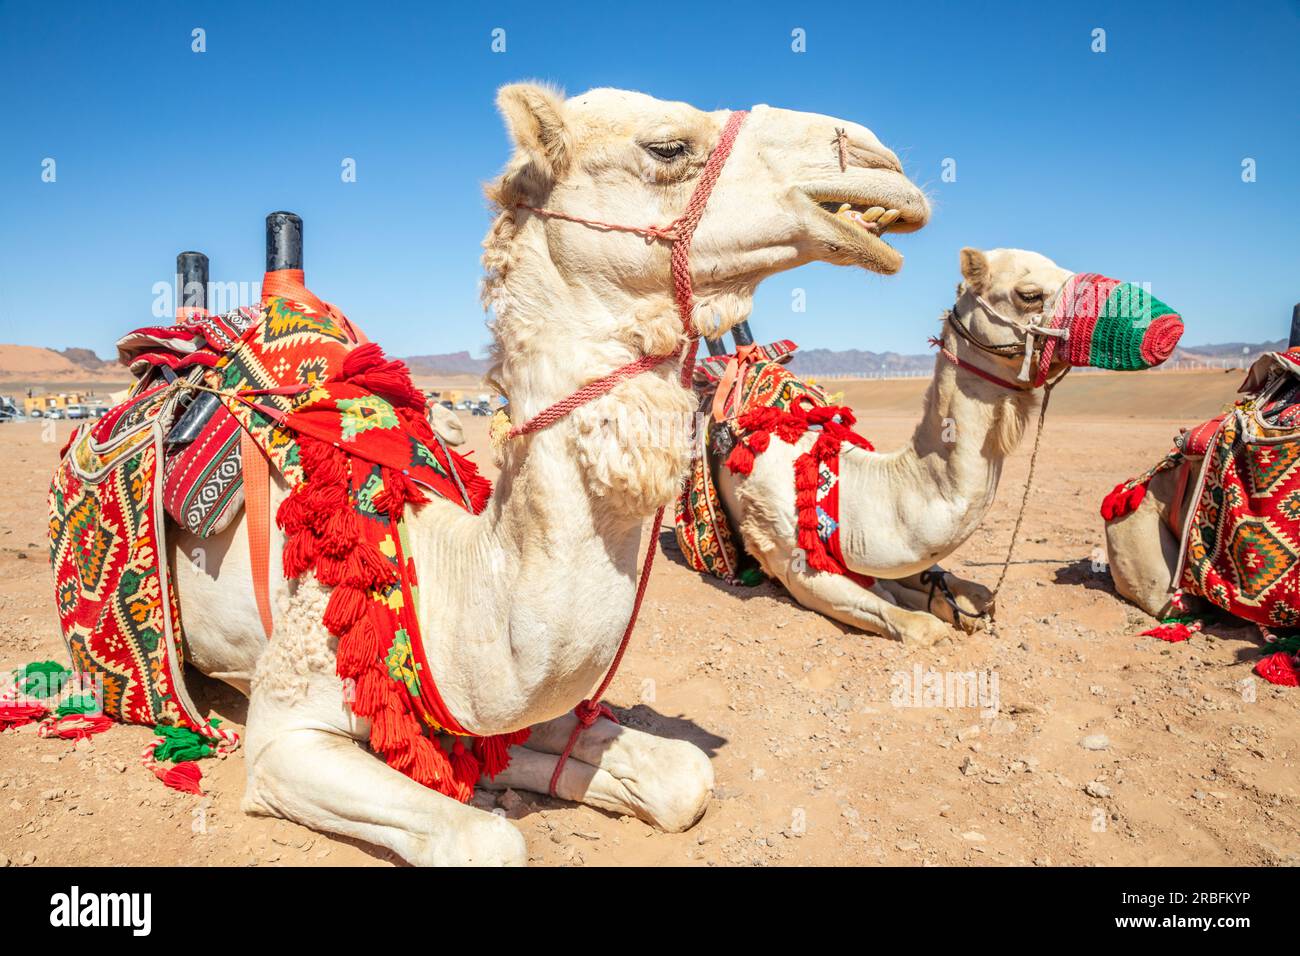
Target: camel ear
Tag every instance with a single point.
(534, 116)
(975, 269)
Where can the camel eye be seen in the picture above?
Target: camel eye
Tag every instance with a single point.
(1030, 294)
(665, 151)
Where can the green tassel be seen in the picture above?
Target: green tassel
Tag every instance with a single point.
(181, 744)
(83, 704)
(751, 577)
(42, 678)
(1289, 644)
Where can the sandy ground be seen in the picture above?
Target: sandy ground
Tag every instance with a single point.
(814, 763)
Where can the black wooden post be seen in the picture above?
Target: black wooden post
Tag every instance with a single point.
(740, 332)
(192, 278)
(1295, 327)
(283, 241)
(715, 346)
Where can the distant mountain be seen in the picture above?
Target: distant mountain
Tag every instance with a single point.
(27, 361)
(1228, 350)
(87, 359)
(816, 362)
(450, 363)
(857, 362)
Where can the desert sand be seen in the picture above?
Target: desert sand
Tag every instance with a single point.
(814, 762)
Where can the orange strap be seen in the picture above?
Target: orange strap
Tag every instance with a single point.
(257, 506)
(732, 381)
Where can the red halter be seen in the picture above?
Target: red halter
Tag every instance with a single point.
(678, 233)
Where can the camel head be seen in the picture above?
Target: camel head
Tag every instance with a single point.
(783, 199)
(1109, 324)
(574, 301)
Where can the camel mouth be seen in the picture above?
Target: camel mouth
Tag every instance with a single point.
(860, 222)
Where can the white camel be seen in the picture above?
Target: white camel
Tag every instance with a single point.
(523, 606)
(902, 511)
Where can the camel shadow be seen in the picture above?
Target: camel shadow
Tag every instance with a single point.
(212, 695)
(1082, 572)
(768, 588)
(639, 717)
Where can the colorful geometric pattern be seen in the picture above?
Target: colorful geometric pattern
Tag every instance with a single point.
(1242, 545)
(299, 383)
(704, 532)
(115, 602)
(203, 481)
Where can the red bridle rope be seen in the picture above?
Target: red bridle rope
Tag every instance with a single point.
(679, 233)
(960, 362)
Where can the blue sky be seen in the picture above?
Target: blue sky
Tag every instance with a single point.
(1127, 162)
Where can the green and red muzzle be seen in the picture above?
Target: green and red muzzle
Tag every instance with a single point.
(1108, 324)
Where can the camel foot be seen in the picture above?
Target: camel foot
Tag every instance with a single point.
(975, 602)
(665, 783)
(922, 630)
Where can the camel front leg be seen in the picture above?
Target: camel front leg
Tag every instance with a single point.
(664, 782)
(956, 601)
(870, 609)
(304, 765)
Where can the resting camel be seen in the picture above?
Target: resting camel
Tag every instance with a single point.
(524, 606)
(902, 511)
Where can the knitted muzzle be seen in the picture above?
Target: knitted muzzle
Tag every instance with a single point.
(1112, 325)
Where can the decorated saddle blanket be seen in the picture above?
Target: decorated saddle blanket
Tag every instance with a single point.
(1240, 538)
(1241, 545)
(346, 429)
(770, 399)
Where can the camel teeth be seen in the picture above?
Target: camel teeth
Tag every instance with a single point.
(889, 218)
(844, 207)
(874, 213)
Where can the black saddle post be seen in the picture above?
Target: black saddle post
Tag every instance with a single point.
(283, 241)
(1295, 327)
(741, 335)
(192, 278)
(715, 346)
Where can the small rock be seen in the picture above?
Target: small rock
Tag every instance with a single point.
(509, 801)
(586, 834)
(967, 733)
(1095, 742)
(974, 836)
(969, 767)
(4, 861)
(1095, 788)
(27, 859)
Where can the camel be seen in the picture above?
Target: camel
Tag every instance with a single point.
(1145, 541)
(524, 605)
(902, 511)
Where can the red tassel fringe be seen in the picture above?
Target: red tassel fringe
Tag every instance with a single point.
(1122, 500)
(1279, 669)
(325, 535)
(1173, 633)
